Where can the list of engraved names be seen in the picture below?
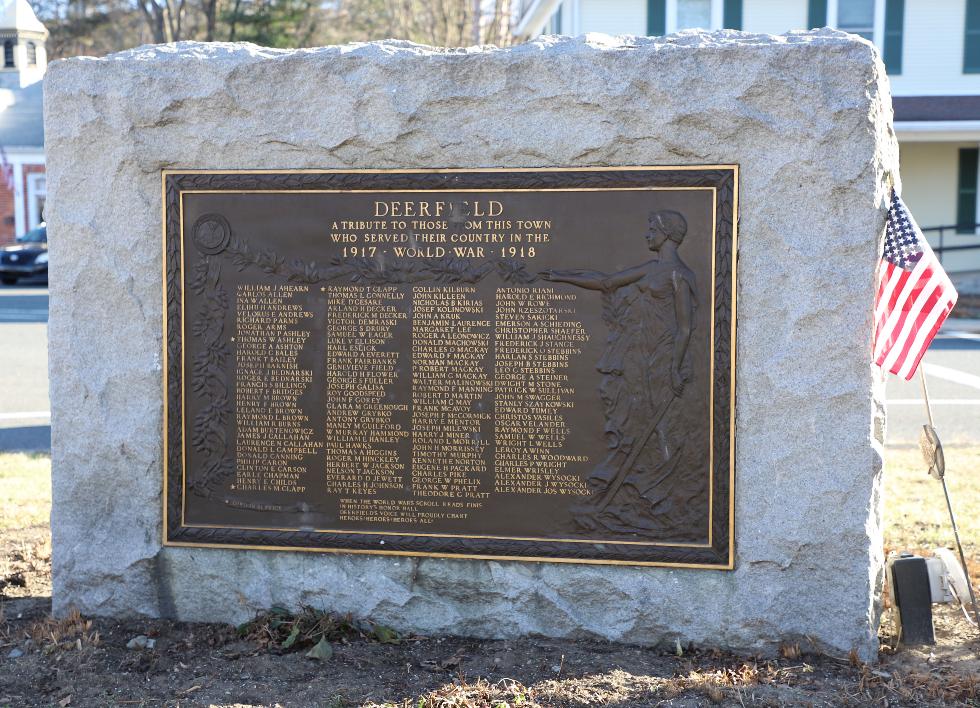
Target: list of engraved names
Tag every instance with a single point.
(440, 394)
(274, 433)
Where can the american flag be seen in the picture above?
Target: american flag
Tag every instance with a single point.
(914, 295)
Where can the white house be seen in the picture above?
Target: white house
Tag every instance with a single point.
(22, 178)
(931, 49)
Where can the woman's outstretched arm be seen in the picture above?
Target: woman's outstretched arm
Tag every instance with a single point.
(588, 279)
(594, 280)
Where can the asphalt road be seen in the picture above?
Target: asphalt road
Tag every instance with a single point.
(24, 410)
(952, 368)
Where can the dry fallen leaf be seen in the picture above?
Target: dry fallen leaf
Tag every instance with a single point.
(321, 651)
(452, 662)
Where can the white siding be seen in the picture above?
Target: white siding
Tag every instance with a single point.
(929, 174)
(932, 62)
(929, 186)
(568, 18)
(932, 39)
(773, 16)
(614, 16)
(630, 16)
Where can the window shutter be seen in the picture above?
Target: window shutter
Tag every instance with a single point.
(966, 196)
(656, 17)
(894, 26)
(971, 38)
(733, 14)
(816, 15)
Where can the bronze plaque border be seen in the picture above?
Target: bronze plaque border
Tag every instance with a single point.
(718, 554)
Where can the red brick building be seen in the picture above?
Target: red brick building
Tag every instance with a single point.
(22, 180)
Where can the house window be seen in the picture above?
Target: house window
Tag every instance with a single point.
(971, 38)
(31, 54)
(966, 197)
(878, 21)
(8, 54)
(698, 14)
(857, 17)
(693, 13)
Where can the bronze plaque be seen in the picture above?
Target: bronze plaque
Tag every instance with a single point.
(525, 364)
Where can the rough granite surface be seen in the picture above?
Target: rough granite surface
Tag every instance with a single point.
(806, 115)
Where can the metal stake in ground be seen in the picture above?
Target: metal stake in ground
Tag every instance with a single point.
(932, 451)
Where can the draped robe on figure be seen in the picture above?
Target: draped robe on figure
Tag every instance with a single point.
(656, 495)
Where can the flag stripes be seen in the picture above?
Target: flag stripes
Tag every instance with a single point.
(914, 295)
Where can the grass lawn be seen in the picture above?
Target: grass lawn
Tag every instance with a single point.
(25, 491)
(25, 537)
(915, 514)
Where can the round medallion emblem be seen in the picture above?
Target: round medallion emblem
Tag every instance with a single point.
(211, 234)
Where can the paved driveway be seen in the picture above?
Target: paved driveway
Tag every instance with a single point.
(24, 411)
(952, 367)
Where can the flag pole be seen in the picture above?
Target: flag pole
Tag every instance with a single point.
(949, 505)
(925, 396)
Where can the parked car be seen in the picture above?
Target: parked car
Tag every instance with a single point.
(27, 258)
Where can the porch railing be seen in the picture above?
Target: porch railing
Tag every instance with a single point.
(957, 230)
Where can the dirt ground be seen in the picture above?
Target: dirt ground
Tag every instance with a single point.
(79, 661)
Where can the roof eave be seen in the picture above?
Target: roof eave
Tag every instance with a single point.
(936, 131)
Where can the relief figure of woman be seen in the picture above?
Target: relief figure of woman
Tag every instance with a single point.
(649, 312)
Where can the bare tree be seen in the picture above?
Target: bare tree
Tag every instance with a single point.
(210, 8)
(102, 26)
(499, 30)
(164, 17)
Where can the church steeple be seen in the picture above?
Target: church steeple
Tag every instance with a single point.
(22, 37)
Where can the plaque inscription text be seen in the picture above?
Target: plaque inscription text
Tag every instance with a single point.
(521, 364)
